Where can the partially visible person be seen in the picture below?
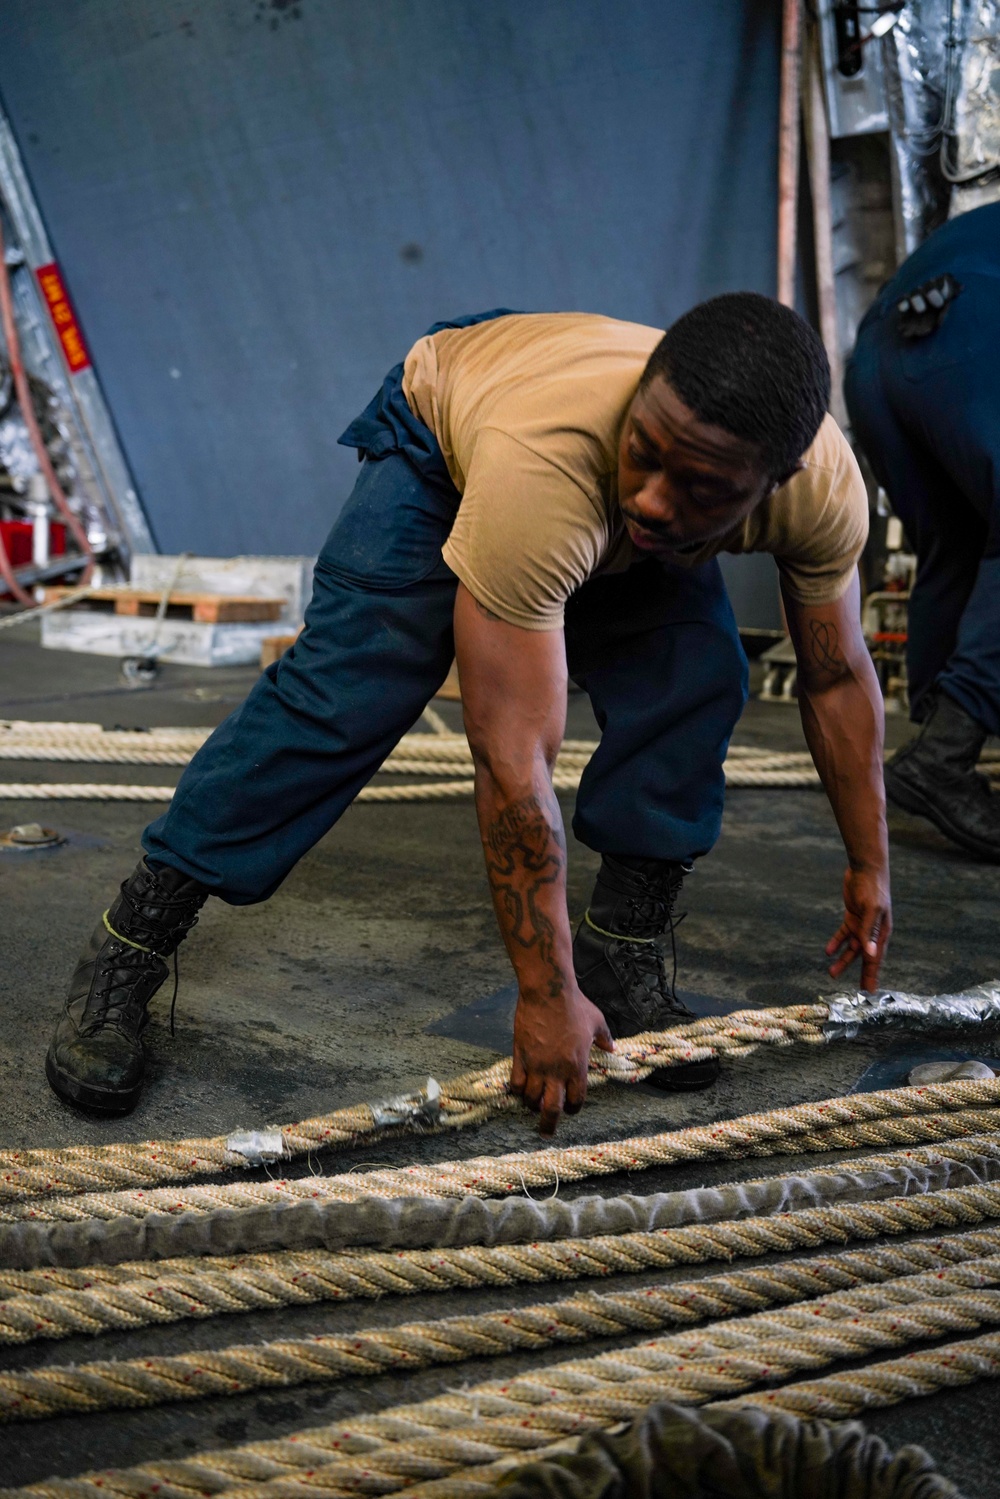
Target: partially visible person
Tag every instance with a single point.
(923, 392)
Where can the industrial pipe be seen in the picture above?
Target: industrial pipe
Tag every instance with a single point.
(788, 147)
(818, 155)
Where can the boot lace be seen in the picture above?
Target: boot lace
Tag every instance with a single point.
(115, 1001)
(643, 959)
(181, 914)
(111, 1001)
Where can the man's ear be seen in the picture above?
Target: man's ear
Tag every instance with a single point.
(796, 468)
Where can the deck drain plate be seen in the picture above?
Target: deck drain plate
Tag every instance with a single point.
(27, 836)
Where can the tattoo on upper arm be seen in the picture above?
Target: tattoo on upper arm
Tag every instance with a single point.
(824, 647)
(526, 851)
(487, 613)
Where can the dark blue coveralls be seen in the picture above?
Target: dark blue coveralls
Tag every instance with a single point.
(927, 413)
(656, 648)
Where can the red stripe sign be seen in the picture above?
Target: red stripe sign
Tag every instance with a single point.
(63, 317)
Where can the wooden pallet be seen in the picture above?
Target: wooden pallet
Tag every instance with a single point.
(273, 647)
(204, 608)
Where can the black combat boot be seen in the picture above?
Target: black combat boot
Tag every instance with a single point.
(619, 960)
(96, 1060)
(935, 777)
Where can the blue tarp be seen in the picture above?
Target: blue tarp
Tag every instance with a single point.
(259, 204)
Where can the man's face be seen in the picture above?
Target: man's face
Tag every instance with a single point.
(682, 482)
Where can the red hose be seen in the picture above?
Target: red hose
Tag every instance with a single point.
(37, 441)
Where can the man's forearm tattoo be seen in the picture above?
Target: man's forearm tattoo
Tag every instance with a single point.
(824, 647)
(525, 852)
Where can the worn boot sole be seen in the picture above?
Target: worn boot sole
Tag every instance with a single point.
(690, 1077)
(91, 1100)
(910, 800)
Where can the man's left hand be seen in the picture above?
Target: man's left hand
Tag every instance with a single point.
(866, 927)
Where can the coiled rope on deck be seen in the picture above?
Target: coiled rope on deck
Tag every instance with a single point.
(415, 754)
(463, 1100)
(734, 1453)
(439, 753)
(63, 1302)
(466, 1431)
(892, 1116)
(835, 1397)
(775, 1343)
(619, 1232)
(493, 1245)
(415, 1444)
(563, 779)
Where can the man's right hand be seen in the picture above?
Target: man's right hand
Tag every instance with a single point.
(552, 1041)
(514, 705)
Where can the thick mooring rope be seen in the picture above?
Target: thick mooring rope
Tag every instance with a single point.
(892, 1116)
(392, 1458)
(471, 1429)
(189, 737)
(839, 1396)
(439, 753)
(429, 791)
(946, 1285)
(416, 753)
(848, 1324)
(463, 1100)
(59, 1303)
(733, 1452)
(836, 1396)
(773, 1204)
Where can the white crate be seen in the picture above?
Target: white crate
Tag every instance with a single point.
(181, 641)
(289, 578)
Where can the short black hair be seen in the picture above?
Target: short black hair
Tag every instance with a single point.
(748, 364)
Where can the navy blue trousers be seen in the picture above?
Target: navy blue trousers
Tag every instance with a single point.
(927, 413)
(656, 648)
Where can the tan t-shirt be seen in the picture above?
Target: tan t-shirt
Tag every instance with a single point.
(528, 409)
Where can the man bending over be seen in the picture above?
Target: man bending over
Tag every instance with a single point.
(544, 496)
